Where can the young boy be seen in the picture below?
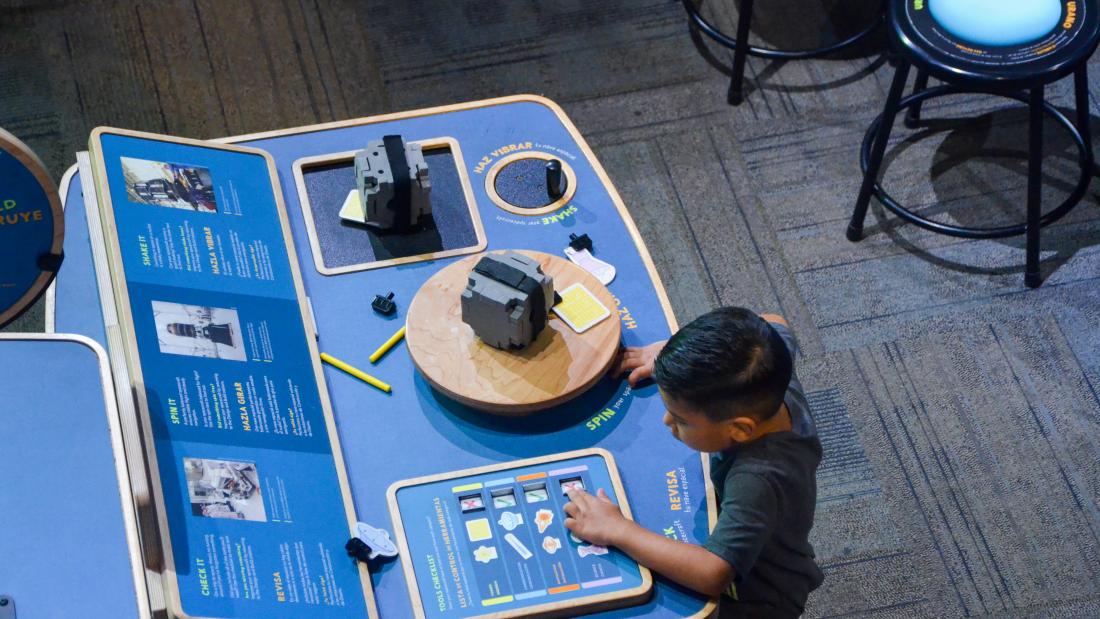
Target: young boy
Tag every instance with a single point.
(728, 383)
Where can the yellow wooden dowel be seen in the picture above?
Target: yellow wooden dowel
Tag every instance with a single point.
(360, 374)
(384, 348)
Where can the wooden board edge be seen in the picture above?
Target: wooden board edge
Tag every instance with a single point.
(377, 118)
(307, 214)
(499, 466)
(125, 318)
(114, 431)
(646, 587)
(591, 604)
(299, 168)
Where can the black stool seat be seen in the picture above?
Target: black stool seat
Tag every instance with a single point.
(742, 49)
(1018, 72)
(931, 48)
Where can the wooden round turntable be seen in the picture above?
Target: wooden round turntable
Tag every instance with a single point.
(558, 366)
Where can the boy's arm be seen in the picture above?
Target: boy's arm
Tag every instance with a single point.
(637, 363)
(692, 566)
(597, 520)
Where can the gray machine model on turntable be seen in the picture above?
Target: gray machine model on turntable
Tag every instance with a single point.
(507, 300)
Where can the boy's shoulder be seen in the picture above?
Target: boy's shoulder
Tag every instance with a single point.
(779, 456)
(779, 459)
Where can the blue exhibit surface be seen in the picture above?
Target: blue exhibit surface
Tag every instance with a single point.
(415, 431)
(251, 491)
(30, 228)
(495, 541)
(995, 22)
(75, 291)
(65, 547)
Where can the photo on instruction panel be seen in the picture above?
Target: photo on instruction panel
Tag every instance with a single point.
(198, 331)
(172, 185)
(224, 489)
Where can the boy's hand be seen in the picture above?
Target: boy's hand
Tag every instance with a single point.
(595, 519)
(639, 362)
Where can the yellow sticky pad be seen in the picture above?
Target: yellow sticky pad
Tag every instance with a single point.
(352, 209)
(580, 309)
(478, 530)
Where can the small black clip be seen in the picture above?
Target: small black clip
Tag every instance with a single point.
(581, 242)
(384, 304)
(50, 262)
(358, 549)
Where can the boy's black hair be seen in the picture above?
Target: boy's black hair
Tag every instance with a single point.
(726, 363)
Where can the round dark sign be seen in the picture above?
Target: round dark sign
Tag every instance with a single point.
(31, 228)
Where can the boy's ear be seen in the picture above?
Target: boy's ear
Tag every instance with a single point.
(742, 429)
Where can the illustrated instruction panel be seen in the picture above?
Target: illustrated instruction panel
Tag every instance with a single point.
(497, 541)
(254, 501)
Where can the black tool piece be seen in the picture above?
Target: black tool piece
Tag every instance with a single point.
(384, 304)
(556, 183)
(581, 242)
(358, 549)
(401, 203)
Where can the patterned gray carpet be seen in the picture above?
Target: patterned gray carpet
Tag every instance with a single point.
(958, 409)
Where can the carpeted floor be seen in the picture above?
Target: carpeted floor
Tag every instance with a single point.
(958, 409)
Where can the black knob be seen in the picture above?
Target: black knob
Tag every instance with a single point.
(556, 183)
(358, 549)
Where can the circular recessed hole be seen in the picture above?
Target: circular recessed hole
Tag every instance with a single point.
(518, 184)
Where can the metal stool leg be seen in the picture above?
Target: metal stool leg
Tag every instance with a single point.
(740, 53)
(870, 177)
(912, 118)
(1034, 186)
(1084, 116)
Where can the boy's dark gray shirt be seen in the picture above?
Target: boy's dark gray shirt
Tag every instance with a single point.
(767, 491)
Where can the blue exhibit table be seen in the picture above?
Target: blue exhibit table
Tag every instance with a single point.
(414, 431)
(68, 542)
